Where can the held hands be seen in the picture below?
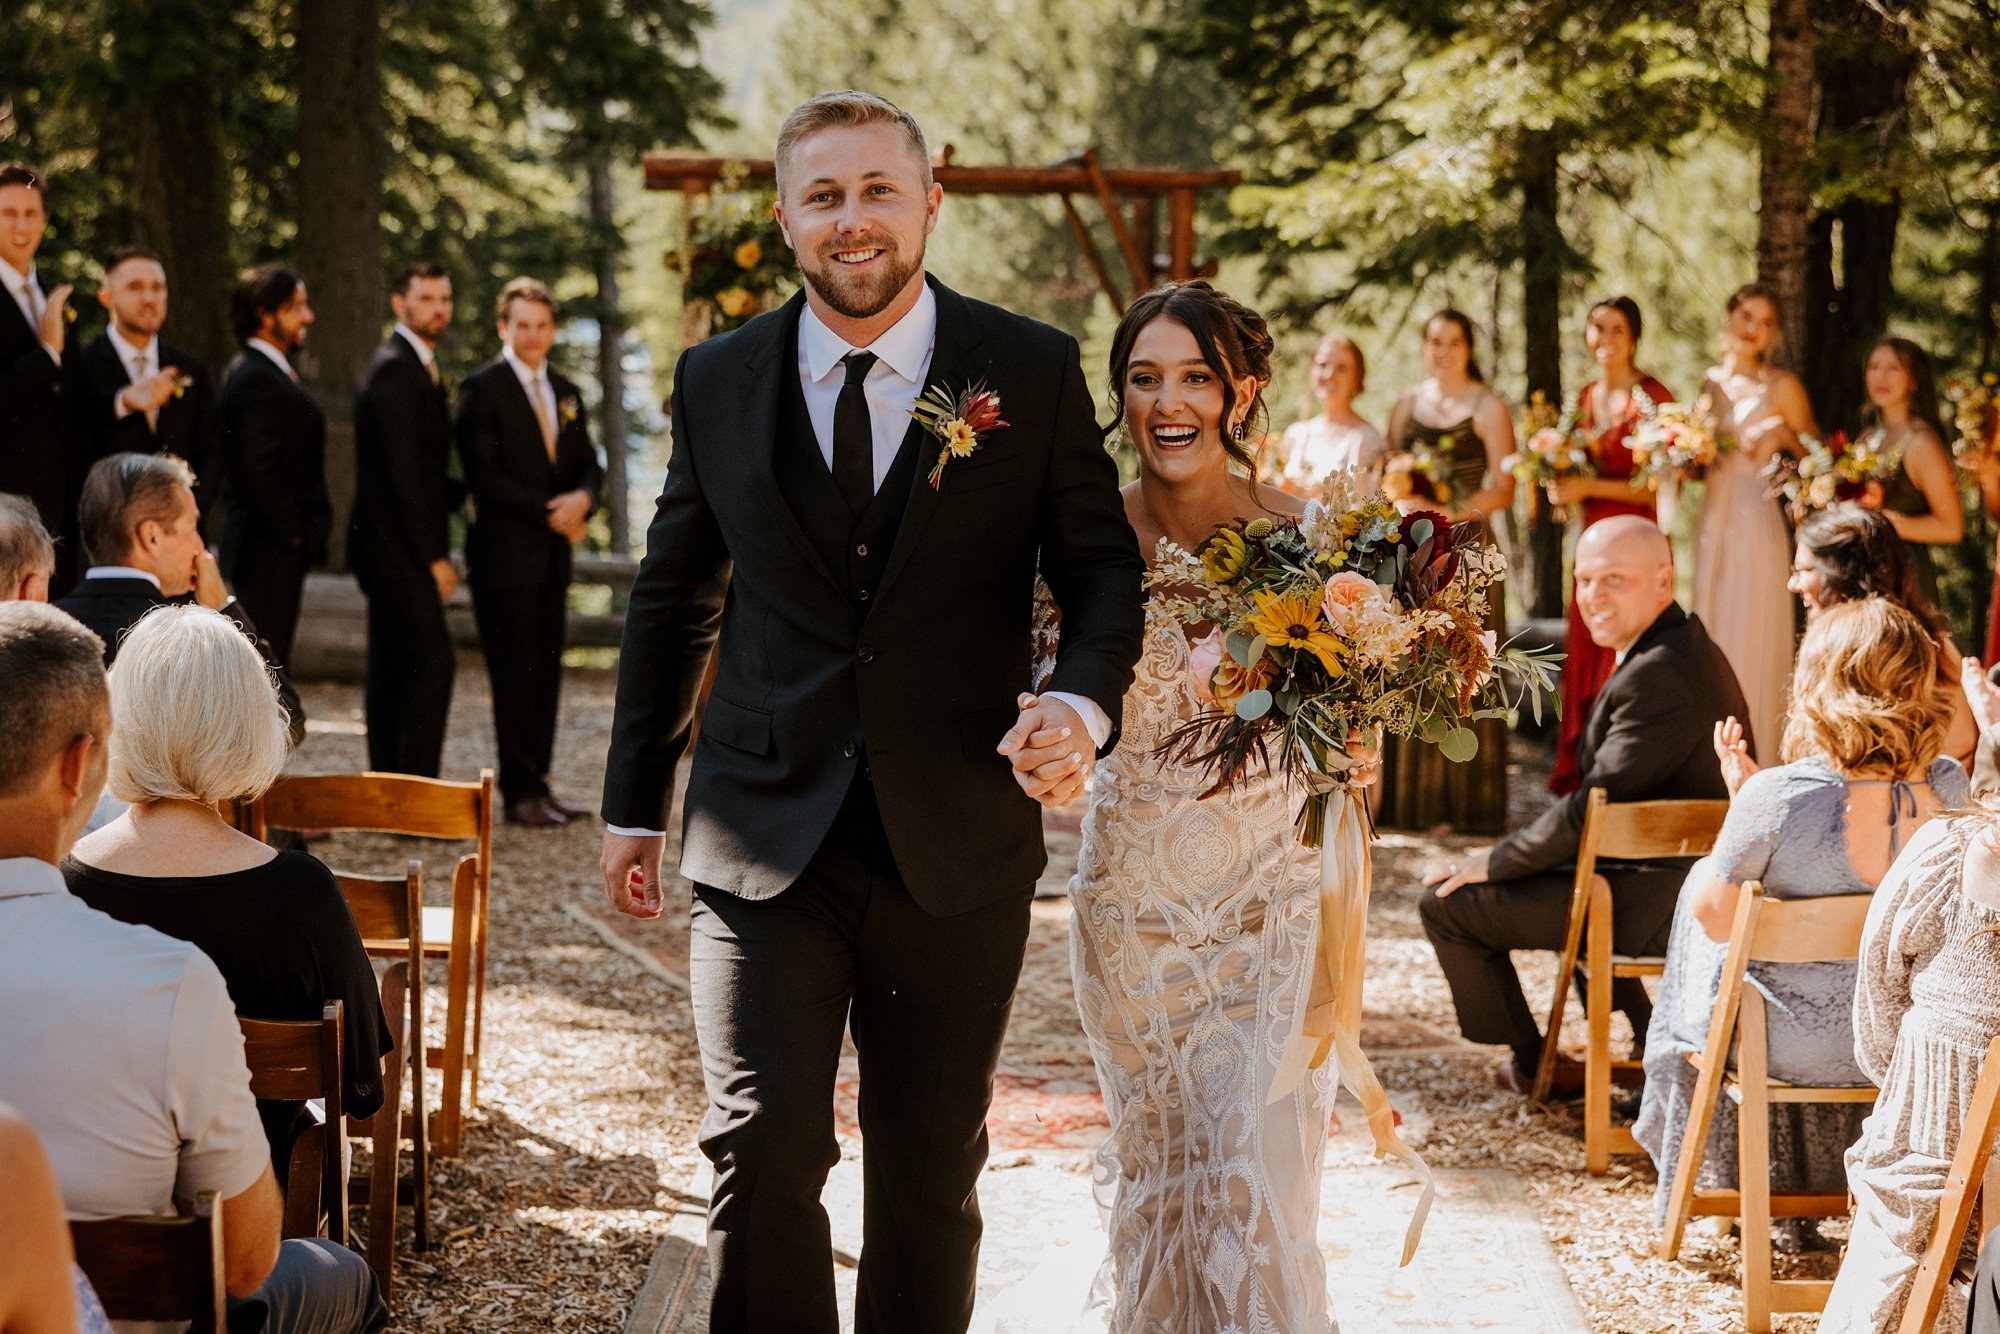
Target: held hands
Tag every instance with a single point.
(445, 575)
(1734, 753)
(1050, 749)
(209, 590)
(567, 513)
(1980, 693)
(1449, 877)
(55, 317)
(631, 866)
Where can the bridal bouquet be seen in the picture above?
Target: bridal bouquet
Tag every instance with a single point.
(1423, 472)
(1674, 441)
(1350, 620)
(1837, 469)
(1556, 448)
(1976, 416)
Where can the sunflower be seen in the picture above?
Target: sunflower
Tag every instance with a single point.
(1292, 620)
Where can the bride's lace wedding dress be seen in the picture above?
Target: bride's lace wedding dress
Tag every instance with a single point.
(1192, 945)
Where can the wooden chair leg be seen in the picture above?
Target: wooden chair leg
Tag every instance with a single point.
(1545, 1069)
(457, 1025)
(385, 1132)
(1753, 1134)
(1597, 1012)
(420, 1131)
(479, 927)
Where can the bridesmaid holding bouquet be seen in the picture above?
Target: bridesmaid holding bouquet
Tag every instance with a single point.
(1922, 498)
(1742, 550)
(1607, 410)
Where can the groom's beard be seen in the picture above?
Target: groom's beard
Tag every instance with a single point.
(859, 296)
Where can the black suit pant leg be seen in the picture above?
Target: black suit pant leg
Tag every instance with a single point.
(410, 670)
(927, 1000)
(521, 633)
(269, 579)
(1473, 928)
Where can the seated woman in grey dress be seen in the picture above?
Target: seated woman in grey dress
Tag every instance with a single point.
(1862, 774)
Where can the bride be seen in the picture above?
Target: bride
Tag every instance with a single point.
(1195, 922)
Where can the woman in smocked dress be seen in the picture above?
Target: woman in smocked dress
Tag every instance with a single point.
(1742, 551)
(1461, 420)
(1607, 410)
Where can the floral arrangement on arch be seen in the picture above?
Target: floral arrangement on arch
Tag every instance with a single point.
(735, 264)
(1675, 441)
(1556, 449)
(1353, 619)
(1835, 469)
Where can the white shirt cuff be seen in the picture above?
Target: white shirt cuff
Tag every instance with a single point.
(624, 832)
(1095, 720)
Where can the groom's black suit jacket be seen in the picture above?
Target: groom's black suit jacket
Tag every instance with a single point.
(1650, 737)
(919, 680)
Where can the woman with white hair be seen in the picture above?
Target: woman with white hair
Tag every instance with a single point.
(196, 722)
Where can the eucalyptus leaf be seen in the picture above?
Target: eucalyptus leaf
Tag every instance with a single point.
(1258, 703)
(1435, 729)
(1459, 745)
(1420, 531)
(1237, 645)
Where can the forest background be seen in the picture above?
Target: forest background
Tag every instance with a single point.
(1516, 158)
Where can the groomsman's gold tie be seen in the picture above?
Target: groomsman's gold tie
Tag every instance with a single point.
(548, 422)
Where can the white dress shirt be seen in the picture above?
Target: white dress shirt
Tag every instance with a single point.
(271, 350)
(27, 294)
(541, 393)
(139, 362)
(121, 572)
(903, 360)
(425, 353)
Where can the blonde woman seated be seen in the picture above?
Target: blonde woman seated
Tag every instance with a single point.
(1862, 775)
(1926, 1004)
(195, 722)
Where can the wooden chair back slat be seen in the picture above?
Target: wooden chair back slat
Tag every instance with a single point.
(1811, 930)
(1961, 1192)
(296, 1062)
(381, 903)
(381, 803)
(1645, 830)
(165, 1269)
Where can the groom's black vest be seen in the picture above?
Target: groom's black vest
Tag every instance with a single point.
(858, 548)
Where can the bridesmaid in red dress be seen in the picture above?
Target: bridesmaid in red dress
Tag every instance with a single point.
(1607, 410)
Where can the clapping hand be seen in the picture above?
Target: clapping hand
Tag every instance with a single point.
(1734, 753)
(56, 317)
(1050, 749)
(1980, 693)
(152, 393)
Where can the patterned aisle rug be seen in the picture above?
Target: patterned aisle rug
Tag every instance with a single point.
(1484, 1263)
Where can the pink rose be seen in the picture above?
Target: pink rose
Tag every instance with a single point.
(1346, 592)
(1203, 659)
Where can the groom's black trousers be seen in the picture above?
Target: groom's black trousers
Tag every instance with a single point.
(926, 998)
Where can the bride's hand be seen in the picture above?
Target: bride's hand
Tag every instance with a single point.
(1364, 750)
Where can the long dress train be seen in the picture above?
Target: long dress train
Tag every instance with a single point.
(1192, 945)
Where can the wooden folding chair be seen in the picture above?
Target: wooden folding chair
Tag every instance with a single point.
(1777, 931)
(1620, 831)
(1970, 1165)
(420, 808)
(163, 1269)
(389, 912)
(294, 1062)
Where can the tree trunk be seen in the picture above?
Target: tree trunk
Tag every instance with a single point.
(180, 206)
(1541, 319)
(340, 218)
(610, 356)
(1987, 318)
(1783, 194)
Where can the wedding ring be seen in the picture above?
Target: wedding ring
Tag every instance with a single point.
(1452, 869)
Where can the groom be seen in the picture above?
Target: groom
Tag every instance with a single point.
(861, 825)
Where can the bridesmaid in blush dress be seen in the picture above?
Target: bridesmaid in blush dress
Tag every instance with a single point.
(1742, 551)
(1421, 788)
(1607, 410)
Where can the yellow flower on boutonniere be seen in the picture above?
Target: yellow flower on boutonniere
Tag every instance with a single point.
(181, 380)
(735, 302)
(567, 409)
(749, 253)
(959, 421)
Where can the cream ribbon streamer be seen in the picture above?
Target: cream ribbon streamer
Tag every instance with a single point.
(1331, 1021)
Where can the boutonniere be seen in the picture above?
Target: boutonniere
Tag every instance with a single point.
(960, 422)
(567, 409)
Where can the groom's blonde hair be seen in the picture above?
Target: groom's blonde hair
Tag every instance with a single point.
(840, 110)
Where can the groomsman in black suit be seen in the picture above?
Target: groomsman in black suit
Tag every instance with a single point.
(33, 323)
(276, 514)
(399, 538)
(1649, 737)
(135, 392)
(532, 472)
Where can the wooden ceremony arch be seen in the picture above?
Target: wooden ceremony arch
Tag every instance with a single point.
(1130, 197)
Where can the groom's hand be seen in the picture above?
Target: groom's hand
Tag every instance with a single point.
(1050, 749)
(631, 865)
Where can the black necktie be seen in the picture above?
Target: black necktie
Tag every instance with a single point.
(854, 436)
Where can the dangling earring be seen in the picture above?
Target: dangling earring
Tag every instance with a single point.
(1237, 431)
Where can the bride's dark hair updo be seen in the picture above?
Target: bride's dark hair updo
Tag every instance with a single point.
(1233, 339)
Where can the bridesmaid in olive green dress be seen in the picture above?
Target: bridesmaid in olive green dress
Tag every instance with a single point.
(1922, 498)
(1420, 787)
